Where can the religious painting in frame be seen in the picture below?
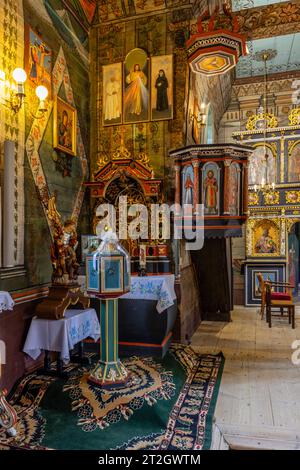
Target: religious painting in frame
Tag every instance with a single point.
(112, 94)
(188, 185)
(89, 244)
(64, 127)
(211, 188)
(136, 87)
(266, 239)
(294, 162)
(38, 60)
(274, 272)
(259, 166)
(162, 91)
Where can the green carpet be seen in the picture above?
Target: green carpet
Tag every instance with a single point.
(168, 404)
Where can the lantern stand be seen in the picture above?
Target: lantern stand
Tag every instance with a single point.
(108, 278)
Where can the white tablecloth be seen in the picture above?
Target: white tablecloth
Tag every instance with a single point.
(6, 302)
(160, 288)
(61, 335)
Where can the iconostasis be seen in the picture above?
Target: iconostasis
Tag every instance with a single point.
(272, 233)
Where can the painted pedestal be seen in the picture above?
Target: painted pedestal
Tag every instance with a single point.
(109, 372)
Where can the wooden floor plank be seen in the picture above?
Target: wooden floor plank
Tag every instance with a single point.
(258, 404)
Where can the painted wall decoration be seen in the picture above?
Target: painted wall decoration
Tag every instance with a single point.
(60, 77)
(210, 188)
(162, 87)
(89, 8)
(258, 167)
(136, 83)
(234, 189)
(292, 197)
(64, 127)
(294, 162)
(112, 94)
(188, 185)
(266, 239)
(38, 60)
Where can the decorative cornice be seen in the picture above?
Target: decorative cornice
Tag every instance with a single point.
(271, 20)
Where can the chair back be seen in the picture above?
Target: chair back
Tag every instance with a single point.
(268, 293)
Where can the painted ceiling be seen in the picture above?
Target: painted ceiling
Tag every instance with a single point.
(242, 4)
(287, 57)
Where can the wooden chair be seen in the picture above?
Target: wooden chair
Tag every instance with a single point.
(275, 295)
(279, 303)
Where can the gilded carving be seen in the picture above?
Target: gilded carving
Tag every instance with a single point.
(272, 198)
(292, 197)
(294, 117)
(257, 120)
(253, 199)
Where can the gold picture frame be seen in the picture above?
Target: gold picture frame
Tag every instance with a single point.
(162, 88)
(64, 127)
(266, 239)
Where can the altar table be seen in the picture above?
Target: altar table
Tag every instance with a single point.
(6, 302)
(159, 288)
(62, 335)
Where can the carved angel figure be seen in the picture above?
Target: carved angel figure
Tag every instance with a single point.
(63, 248)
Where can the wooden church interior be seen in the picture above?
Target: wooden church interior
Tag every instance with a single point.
(192, 103)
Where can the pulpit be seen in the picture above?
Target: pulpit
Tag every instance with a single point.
(215, 176)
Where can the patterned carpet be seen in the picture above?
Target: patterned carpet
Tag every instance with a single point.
(167, 405)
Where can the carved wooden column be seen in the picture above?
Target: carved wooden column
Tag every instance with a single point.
(177, 184)
(227, 164)
(245, 189)
(196, 184)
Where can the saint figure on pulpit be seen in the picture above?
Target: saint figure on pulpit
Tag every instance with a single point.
(211, 193)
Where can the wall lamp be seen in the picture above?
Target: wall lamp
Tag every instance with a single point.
(200, 117)
(17, 95)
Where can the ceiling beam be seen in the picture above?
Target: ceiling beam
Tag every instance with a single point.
(270, 20)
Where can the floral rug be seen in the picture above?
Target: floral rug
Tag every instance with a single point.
(168, 404)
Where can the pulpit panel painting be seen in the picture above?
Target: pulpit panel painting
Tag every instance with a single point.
(136, 87)
(234, 189)
(262, 168)
(112, 94)
(210, 188)
(188, 185)
(162, 87)
(294, 162)
(266, 239)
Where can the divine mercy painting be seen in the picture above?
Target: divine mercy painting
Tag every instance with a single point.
(64, 127)
(162, 87)
(136, 84)
(112, 94)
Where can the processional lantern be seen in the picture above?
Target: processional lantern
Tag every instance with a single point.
(217, 45)
(108, 278)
